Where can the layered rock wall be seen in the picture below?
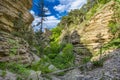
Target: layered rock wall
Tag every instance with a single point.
(97, 30)
(14, 15)
(12, 11)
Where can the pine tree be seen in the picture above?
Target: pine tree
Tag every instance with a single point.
(42, 15)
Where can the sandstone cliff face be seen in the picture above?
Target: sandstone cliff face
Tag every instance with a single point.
(97, 30)
(14, 15)
(12, 11)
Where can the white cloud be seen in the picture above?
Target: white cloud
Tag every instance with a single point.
(68, 5)
(77, 4)
(47, 11)
(60, 8)
(50, 21)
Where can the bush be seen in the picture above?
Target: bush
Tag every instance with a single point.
(115, 43)
(65, 59)
(55, 34)
(15, 68)
(86, 59)
(98, 63)
(103, 1)
(114, 27)
(53, 49)
(42, 65)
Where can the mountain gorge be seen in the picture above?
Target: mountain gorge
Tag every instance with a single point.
(83, 46)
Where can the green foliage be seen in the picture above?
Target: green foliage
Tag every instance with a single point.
(60, 74)
(3, 73)
(74, 17)
(60, 55)
(117, 10)
(115, 43)
(92, 11)
(54, 48)
(68, 49)
(86, 59)
(117, 0)
(15, 68)
(103, 1)
(19, 78)
(56, 33)
(15, 46)
(65, 58)
(98, 63)
(42, 65)
(114, 27)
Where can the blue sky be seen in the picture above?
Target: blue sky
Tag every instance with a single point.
(56, 9)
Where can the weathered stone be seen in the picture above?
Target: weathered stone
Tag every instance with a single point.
(13, 14)
(13, 10)
(35, 75)
(98, 25)
(7, 76)
(73, 75)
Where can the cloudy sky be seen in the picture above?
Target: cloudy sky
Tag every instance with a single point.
(55, 10)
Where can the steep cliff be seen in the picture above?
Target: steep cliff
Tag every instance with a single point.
(95, 30)
(14, 19)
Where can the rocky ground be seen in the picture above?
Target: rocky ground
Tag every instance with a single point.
(109, 71)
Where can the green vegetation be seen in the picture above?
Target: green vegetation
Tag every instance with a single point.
(60, 74)
(53, 50)
(42, 65)
(113, 27)
(56, 34)
(92, 11)
(14, 46)
(60, 59)
(15, 68)
(98, 63)
(113, 44)
(86, 59)
(59, 55)
(3, 73)
(65, 58)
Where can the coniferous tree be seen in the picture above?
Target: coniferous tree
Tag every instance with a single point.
(42, 14)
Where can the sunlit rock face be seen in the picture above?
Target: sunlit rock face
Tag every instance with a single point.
(14, 13)
(94, 31)
(14, 16)
(88, 37)
(97, 30)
